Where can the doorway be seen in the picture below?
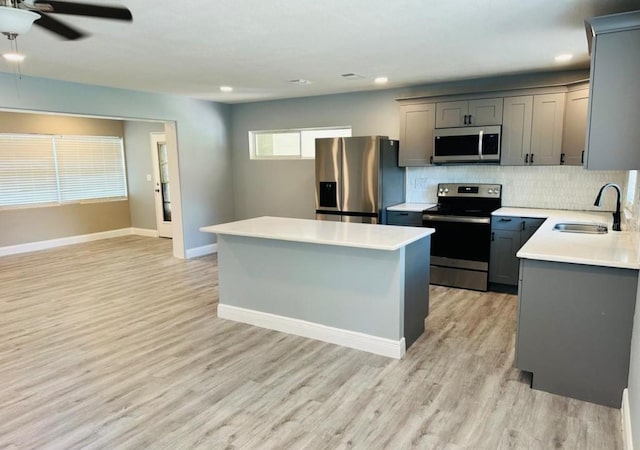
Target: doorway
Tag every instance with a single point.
(161, 182)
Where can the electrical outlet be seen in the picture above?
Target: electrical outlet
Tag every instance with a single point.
(421, 183)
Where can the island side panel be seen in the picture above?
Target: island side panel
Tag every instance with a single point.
(347, 288)
(416, 288)
(574, 329)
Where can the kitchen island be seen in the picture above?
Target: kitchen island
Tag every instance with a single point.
(358, 285)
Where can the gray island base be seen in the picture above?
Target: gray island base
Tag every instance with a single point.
(357, 285)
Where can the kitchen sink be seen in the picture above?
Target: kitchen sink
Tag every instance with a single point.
(588, 228)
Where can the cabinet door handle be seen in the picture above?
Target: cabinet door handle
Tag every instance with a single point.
(526, 158)
(465, 119)
(403, 214)
(561, 158)
(493, 236)
(524, 224)
(469, 119)
(505, 220)
(582, 157)
(532, 158)
(430, 159)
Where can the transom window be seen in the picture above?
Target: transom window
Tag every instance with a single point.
(296, 143)
(45, 169)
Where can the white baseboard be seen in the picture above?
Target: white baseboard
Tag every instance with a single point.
(346, 338)
(627, 437)
(201, 251)
(51, 243)
(144, 232)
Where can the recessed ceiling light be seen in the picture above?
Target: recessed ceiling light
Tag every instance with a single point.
(226, 88)
(380, 80)
(300, 81)
(13, 57)
(565, 57)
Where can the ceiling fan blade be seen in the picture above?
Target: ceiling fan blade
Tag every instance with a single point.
(59, 28)
(83, 9)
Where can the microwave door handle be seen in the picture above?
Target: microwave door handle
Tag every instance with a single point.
(480, 144)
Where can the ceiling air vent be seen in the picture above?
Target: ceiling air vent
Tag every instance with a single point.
(352, 76)
(300, 82)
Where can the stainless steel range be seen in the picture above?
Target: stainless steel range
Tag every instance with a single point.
(461, 244)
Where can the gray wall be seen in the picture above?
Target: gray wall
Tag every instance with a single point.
(634, 374)
(634, 363)
(139, 164)
(202, 127)
(286, 188)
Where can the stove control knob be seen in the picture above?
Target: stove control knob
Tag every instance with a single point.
(490, 191)
(446, 190)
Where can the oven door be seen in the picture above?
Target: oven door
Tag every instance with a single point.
(460, 241)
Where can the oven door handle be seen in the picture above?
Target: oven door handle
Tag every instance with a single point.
(458, 219)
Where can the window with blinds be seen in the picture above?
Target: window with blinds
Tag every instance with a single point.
(45, 169)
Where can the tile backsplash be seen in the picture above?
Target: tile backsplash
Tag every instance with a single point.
(552, 187)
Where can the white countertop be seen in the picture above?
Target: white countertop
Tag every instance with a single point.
(359, 235)
(614, 249)
(411, 207)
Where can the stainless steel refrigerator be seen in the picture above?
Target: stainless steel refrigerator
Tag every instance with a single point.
(357, 178)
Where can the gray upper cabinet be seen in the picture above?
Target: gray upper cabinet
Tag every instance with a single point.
(532, 129)
(417, 122)
(575, 126)
(613, 133)
(516, 130)
(480, 112)
(546, 129)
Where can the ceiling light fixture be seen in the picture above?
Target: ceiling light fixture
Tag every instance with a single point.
(13, 57)
(14, 21)
(380, 80)
(565, 57)
(226, 88)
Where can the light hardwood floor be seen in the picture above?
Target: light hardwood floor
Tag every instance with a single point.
(116, 344)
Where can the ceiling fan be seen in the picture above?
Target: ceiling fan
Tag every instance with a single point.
(38, 12)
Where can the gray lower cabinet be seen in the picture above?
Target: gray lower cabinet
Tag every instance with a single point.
(574, 329)
(406, 218)
(508, 235)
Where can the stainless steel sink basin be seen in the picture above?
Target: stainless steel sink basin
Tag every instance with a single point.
(588, 228)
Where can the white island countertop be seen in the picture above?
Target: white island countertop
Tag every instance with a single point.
(614, 249)
(359, 235)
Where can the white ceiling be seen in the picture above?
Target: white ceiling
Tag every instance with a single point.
(192, 47)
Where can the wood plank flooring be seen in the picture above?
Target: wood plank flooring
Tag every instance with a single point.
(116, 344)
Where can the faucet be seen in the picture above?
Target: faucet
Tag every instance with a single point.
(616, 215)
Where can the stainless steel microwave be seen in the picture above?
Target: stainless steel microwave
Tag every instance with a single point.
(467, 145)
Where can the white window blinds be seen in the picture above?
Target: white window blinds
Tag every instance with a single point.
(39, 169)
(90, 167)
(27, 170)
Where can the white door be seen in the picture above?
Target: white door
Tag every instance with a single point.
(161, 184)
